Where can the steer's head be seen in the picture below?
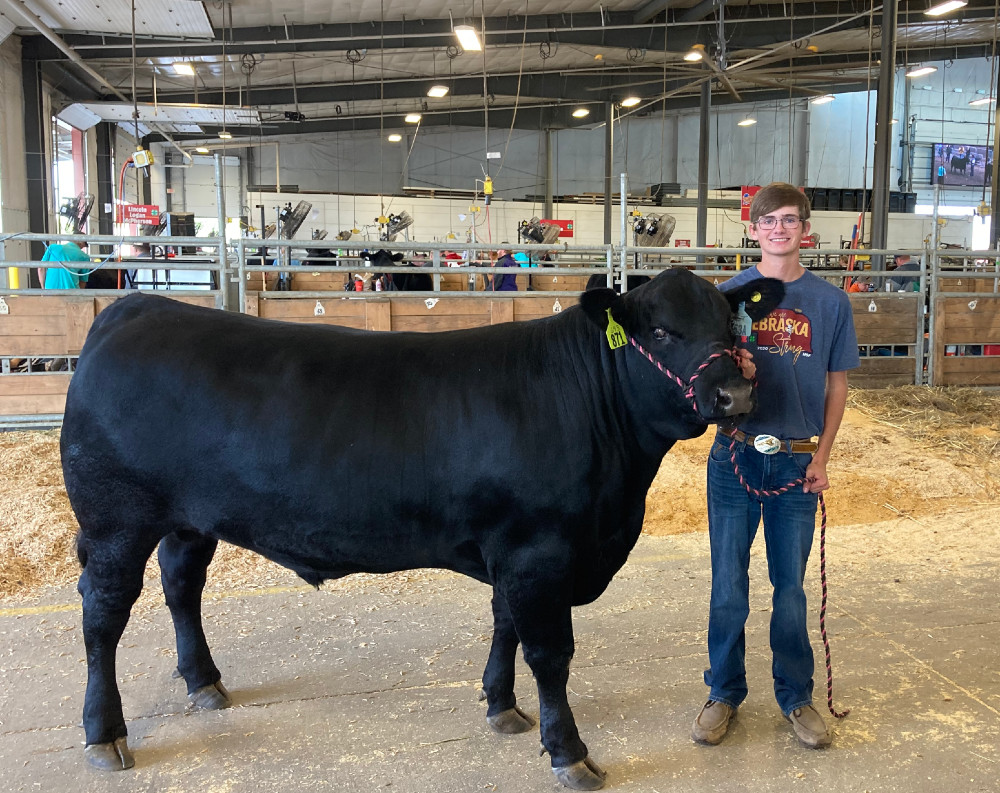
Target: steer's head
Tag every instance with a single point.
(683, 326)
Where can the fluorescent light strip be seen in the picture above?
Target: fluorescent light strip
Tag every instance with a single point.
(467, 38)
(944, 8)
(822, 100)
(921, 71)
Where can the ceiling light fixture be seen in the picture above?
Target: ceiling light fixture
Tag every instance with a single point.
(202, 149)
(920, 71)
(630, 101)
(943, 8)
(467, 38)
(696, 53)
(412, 118)
(226, 134)
(822, 100)
(983, 100)
(394, 138)
(437, 91)
(747, 122)
(581, 112)
(183, 68)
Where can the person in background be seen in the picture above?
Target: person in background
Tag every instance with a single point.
(802, 351)
(904, 283)
(501, 282)
(60, 276)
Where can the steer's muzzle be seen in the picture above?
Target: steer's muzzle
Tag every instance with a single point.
(723, 397)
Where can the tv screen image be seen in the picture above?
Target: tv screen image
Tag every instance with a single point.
(961, 165)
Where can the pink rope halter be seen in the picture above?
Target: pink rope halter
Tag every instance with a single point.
(686, 385)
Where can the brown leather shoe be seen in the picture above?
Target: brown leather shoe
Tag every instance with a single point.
(712, 723)
(809, 727)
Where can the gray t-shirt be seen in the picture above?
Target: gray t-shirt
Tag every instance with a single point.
(809, 334)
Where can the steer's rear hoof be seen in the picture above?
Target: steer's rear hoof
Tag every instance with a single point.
(212, 697)
(511, 721)
(584, 774)
(110, 756)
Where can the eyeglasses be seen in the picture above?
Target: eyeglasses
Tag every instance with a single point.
(787, 221)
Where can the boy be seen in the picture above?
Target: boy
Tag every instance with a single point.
(802, 351)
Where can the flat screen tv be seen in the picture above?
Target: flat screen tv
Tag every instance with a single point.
(961, 165)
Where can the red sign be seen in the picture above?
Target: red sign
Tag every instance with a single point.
(139, 214)
(682, 243)
(565, 226)
(746, 196)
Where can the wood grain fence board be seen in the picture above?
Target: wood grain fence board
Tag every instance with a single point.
(34, 394)
(79, 317)
(378, 315)
(536, 308)
(501, 310)
(970, 370)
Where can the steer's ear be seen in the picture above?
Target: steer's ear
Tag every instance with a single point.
(397, 257)
(596, 302)
(759, 297)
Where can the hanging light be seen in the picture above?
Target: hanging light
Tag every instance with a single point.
(183, 68)
(920, 71)
(695, 54)
(581, 112)
(746, 122)
(201, 149)
(226, 134)
(412, 118)
(822, 100)
(394, 138)
(943, 8)
(630, 101)
(467, 37)
(437, 91)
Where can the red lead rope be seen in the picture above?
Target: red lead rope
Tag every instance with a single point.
(822, 567)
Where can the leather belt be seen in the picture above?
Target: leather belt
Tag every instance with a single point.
(795, 446)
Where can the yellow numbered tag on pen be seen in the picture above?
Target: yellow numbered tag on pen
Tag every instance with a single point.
(616, 333)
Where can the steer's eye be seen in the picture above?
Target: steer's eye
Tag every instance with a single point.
(660, 334)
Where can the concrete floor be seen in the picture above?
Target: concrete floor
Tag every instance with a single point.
(375, 690)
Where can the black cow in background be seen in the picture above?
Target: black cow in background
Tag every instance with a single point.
(403, 282)
(529, 474)
(598, 281)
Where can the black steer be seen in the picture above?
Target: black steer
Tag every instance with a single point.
(403, 282)
(185, 426)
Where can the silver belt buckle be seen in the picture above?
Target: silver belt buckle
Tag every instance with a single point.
(766, 444)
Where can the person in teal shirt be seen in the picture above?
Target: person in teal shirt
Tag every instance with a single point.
(60, 276)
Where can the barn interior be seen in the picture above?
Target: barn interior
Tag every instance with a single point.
(246, 157)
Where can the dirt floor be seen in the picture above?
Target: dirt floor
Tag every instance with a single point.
(918, 453)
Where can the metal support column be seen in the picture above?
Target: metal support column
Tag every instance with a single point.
(883, 133)
(703, 140)
(36, 132)
(995, 190)
(105, 133)
(549, 174)
(609, 155)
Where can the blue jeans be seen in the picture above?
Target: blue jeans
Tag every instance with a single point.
(789, 522)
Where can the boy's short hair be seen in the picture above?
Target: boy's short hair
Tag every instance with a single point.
(777, 195)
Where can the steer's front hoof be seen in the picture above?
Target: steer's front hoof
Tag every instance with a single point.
(110, 756)
(584, 774)
(511, 721)
(213, 697)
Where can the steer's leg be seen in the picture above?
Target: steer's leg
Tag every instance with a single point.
(540, 608)
(109, 585)
(502, 712)
(184, 558)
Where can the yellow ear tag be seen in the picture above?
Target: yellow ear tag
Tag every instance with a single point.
(755, 297)
(615, 333)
